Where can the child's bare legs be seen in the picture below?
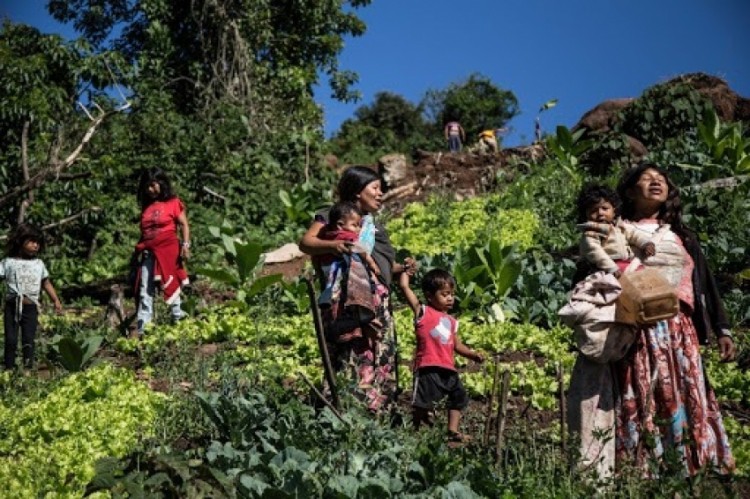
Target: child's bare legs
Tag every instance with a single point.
(454, 418)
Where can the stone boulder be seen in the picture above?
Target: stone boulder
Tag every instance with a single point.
(637, 150)
(393, 168)
(286, 253)
(729, 105)
(603, 116)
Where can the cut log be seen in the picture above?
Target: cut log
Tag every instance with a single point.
(115, 314)
(402, 191)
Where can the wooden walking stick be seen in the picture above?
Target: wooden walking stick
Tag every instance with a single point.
(563, 409)
(501, 413)
(323, 399)
(322, 346)
(490, 402)
(396, 352)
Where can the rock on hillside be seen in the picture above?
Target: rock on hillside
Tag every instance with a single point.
(729, 105)
(467, 174)
(603, 116)
(463, 175)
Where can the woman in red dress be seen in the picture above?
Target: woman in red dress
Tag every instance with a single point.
(159, 251)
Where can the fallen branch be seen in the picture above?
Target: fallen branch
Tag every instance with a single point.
(723, 183)
(63, 221)
(214, 193)
(25, 171)
(87, 136)
(71, 218)
(401, 191)
(56, 167)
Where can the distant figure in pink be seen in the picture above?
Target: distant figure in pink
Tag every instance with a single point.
(455, 135)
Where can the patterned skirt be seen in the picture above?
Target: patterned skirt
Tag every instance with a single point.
(370, 359)
(666, 405)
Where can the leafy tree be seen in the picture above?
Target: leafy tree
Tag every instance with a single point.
(390, 124)
(360, 143)
(233, 79)
(225, 46)
(392, 112)
(477, 103)
(664, 112)
(221, 98)
(45, 125)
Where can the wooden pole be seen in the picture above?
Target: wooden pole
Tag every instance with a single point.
(396, 354)
(320, 335)
(490, 402)
(323, 399)
(501, 413)
(563, 406)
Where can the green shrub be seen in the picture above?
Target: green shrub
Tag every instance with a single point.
(549, 192)
(443, 227)
(48, 446)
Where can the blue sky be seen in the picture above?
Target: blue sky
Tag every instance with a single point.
(580, 52)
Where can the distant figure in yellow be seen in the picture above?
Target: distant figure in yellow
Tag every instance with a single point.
(487, 142)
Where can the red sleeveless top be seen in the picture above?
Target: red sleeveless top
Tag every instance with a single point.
(436, 339)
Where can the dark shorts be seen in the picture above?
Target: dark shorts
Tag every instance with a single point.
(431, 384)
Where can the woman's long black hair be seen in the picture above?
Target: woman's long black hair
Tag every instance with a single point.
(21, 234)
(159, 176)
(670, 212)
(354, 180)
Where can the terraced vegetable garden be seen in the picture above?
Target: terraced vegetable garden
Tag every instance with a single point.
(218, 405)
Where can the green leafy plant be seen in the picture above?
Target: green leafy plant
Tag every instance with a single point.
(157, 475)
(295, 293)
(246, 260)
(568, 147)
(728, 147)
(49, 444)
(548, 194)
(484, 275)
(440, 226)
(72, 344)
(663, 112)
(541, 289)
(76, 354)
(301, 202)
